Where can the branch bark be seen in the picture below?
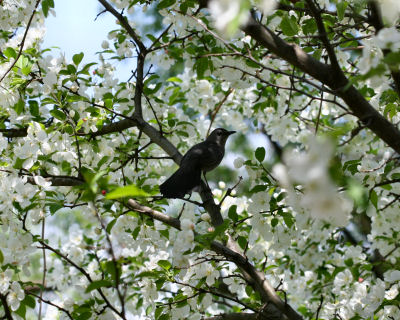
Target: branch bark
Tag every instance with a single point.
(15, 133)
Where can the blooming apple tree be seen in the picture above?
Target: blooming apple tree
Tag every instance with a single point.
(306, 227)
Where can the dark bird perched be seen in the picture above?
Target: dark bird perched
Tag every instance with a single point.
(202, 157)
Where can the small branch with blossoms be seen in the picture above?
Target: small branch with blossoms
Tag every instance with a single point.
(121, 295)
(41, 299)
(215, 293)
(84, 272)
(229, 191)
(21, 46)
(325, 73)
(231, 253)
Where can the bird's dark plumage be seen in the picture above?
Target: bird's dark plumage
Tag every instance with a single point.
(202, 157)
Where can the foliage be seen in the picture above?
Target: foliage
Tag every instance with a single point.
(311, 231)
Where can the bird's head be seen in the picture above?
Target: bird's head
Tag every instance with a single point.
(219, 136)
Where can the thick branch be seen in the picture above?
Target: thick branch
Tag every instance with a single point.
(60, 181)
(327, 75)
(14, 133)
(173, 222)
(149, 130)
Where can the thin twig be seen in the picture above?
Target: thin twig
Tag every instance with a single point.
(217, 108)
(319, 113)
(44, 270)
(114, 260)
(51, 304)
(319, 307)
(229, 191)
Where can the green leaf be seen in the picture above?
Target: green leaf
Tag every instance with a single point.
(390, 110)
(242, 241)
(34, 108)
(201, 66)
(24, 64)
(71, 69)
(159, 283)
(289, 26)
(58, 114)
(128, 191)
(10, 52)
(259, 188)
(18, 163)
(98, 284)
(29, 301)
(164, 316)
(356, 191)
(165, 264)
(174, 79)
(46, 5)
(309, 26)
(21, 311)
(19, 106)
(374, 198)
(1, 257)
(341, 8)
(165, 3)
(83, 316)
(288, 218)
(392, 59)
(77, 58)
(111, 225)
(260, 154)
(158, 312)
(232, 213)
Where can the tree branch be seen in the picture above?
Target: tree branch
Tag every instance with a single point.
(323, 36)
(15, 133)
(140, 59)
(6, 308)
(295, 55)
(83, 271)
(124, 23)
(60, 181)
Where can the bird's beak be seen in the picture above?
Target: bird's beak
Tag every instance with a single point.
(231, 132)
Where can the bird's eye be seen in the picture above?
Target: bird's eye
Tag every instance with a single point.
(219, 133)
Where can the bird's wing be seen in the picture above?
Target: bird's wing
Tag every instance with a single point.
(206, 155)
(196, 155)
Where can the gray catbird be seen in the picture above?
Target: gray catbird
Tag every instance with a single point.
(202, 157)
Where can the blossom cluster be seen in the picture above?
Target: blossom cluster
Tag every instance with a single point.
(318, 216)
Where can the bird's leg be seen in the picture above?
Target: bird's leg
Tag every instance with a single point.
(205, 178)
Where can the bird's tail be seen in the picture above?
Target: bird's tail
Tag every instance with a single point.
(183, 181)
